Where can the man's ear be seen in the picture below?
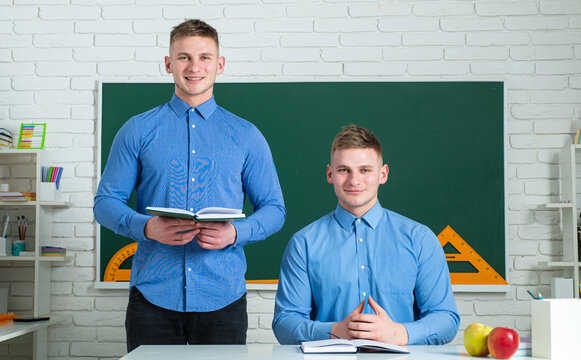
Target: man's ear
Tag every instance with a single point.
(383, 174)
(221, 64)
(329, 174)
(167, 65)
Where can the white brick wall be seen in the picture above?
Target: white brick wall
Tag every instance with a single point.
(52, 52)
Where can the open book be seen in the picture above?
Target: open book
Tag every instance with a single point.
(350, 346)
(206, 214)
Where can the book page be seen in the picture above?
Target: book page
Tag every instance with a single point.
(219, 210)
(328, 346)
(169, 212)
(376, 345)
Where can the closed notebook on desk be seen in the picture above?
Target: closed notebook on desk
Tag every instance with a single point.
(350, 346)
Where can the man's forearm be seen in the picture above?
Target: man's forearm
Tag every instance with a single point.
(264, 222)
(120, 218)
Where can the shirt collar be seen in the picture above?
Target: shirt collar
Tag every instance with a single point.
(205, 109)
(371, 217)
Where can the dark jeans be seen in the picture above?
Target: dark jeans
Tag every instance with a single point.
(147, 324)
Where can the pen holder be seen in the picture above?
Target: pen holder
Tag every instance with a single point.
(556, 328)
(5, 248)
(17, 247)
(48, 192)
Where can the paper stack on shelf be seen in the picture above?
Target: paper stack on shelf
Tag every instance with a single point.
(17, 196)
(5, 139)
(53, 251)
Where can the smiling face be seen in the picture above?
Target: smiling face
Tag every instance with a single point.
(194, 62)
(356, 175)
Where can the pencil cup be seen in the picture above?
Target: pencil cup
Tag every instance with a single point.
(4, 246)
(17, 247)
(556, 328)
(48, 192)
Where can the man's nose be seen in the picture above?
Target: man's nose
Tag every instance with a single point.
(354, 178)
(194, 65)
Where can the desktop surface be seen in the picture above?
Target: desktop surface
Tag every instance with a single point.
(288, 352)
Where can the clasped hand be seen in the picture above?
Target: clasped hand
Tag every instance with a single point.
(378, 326)
(209, 235)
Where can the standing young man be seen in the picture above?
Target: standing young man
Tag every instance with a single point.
(360, 250)
(187, 279)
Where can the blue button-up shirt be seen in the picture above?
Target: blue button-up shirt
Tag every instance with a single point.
(329, 266)
(189, 158)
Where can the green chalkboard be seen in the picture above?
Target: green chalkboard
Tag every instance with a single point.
(443, 142)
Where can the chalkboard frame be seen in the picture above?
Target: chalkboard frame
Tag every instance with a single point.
(467, 288)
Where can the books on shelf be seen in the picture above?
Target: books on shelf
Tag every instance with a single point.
(17, 196)
(350, 346)
(206, 214)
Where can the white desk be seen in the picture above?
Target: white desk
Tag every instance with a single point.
(286, 352)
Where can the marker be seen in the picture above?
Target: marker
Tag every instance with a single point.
(540, 296)
(531, 294)
(366, 302)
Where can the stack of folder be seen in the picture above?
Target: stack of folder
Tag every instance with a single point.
(5, 139)
(17, 196)
(53, 251)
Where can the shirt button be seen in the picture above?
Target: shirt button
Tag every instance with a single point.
(193, 179)
(362, 267)
(358, 220)
(193, 151)
(360, 239)
(193, 125)
(191, 209)
(364, 293)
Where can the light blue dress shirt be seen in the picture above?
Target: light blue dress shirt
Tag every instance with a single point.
(189, 158)
(329, 266)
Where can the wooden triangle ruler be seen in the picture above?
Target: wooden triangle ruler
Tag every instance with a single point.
(486, 275)
(112, 271)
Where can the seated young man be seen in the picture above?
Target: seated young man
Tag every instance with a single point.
(360, 249)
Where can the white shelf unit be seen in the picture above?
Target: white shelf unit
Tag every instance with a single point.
(569, 214)
(21, 169)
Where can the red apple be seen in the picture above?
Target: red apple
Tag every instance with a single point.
(475, 339)
(503, 342)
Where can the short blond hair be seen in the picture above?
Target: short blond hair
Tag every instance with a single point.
(356, 137)
(193, 27)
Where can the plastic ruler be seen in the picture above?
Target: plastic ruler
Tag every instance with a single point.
(486, 275)
(112, 271)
